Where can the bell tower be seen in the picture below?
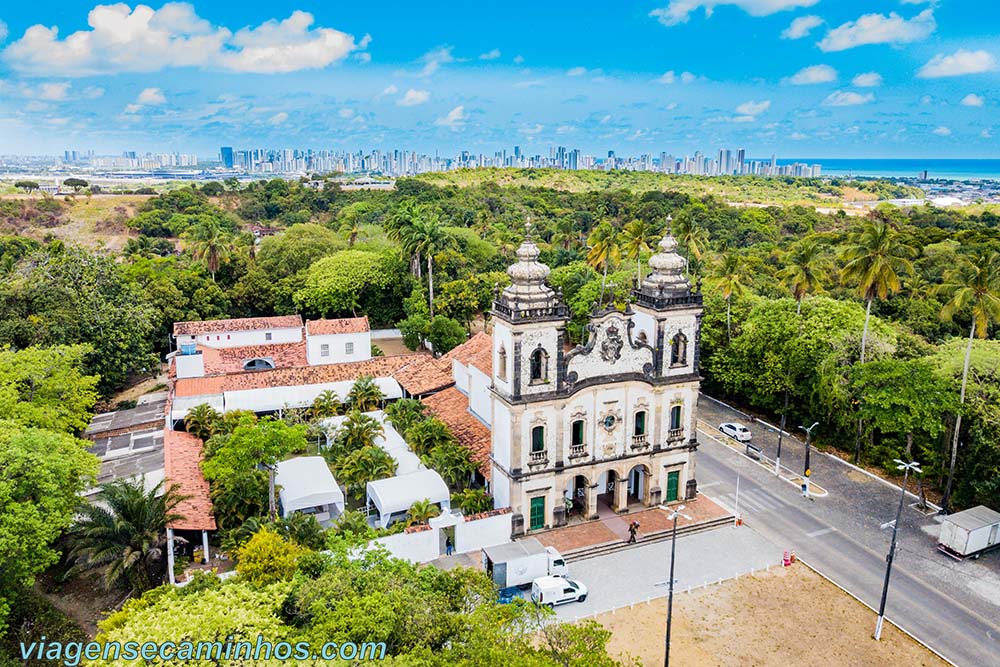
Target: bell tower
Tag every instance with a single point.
(529, 329)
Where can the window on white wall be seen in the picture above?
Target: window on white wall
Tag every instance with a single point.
(502, 363)
(349, 348)
(324, 350)
(267, 336)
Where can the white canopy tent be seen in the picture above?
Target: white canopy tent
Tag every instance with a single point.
(270, 399)
(391, 441)
(307, 485)
(393, 496)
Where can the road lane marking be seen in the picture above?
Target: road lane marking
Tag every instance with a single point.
(821, 532)
(710, 484)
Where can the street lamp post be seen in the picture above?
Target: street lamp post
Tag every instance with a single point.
(906, 468)
(674, 513)
(806, 471)
(781, 432)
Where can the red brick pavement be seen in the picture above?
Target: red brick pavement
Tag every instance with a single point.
(611, 527)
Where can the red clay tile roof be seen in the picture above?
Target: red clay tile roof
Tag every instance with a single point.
(230, 359)
(425, 376)
(181, 460)
(294, 377)
(477, 351)
(452, 407)
(243, 324)
(341, 326)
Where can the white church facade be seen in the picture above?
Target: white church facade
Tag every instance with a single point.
(604, 425)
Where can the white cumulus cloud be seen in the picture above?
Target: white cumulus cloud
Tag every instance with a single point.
(434, 58)
(879, 29)
(679, 11)
(867, 80)
(972, 100)
(847, 98)
(151, 96)
(122, 39)
(753, 108)
(813, 74)
(3, 31)
(278, 118)
(576, 71)
(453, 119)
(801, 27)
(53, 91)
(492, 54)
(958, 63)
(671, 77)
(942, 131)
(412, 98)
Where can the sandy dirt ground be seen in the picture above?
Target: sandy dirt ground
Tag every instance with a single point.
(787, 616)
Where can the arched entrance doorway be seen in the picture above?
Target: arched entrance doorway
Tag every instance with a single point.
(578, 498)
(638, 484)
(612, 489)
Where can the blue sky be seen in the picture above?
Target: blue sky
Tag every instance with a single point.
(803, 78)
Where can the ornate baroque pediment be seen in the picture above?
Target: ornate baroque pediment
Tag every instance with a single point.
(610, 351)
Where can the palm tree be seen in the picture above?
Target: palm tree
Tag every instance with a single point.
(427, 237)
(351, 522)
(451, 461)
(690, 236)
(365, 395)
(365, 465)
(875, 260)
(425, 436)
(472, 501)
(398, 225)
(806, 264)
(351, 218)
(210, 244)
(422, 511)
(358, 431)
(201, 420)
(327, 404)
(603, 250)
(727, 275)
(638, 238)
(973, 284)
(406, 412)
(125, 535)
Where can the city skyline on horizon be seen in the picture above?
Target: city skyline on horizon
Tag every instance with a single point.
(891, 79)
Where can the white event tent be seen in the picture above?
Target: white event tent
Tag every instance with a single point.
(393, 496)
(307, 485)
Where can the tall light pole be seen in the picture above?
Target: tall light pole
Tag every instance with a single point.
(781, 432)
(674, 513)
(806, 471)
(906, 468)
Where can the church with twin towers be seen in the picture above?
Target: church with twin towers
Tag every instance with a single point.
(607, 426)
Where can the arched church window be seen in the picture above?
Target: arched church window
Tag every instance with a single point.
(577, 433)
(502, 363)
(678, 350)
(640, 423)
(675, 418)
(539, 366)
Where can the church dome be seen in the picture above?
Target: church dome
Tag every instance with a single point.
(667, 271)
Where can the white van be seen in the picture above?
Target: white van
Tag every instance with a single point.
(557, 590)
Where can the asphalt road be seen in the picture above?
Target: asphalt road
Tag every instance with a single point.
(954, 607)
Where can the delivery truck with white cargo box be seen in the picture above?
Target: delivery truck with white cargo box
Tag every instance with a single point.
(970, 532)
(521, 562)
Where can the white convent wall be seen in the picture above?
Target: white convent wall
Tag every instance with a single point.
(337, 346)
(240, 338)
(479, 394)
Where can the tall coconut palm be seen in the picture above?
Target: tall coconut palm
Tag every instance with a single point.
(124, 536)
(351, 217)
(427, 237)
(974, 284)
(727, 276)
(365, 395)
(210, 244)
(603, 251)
(421, 511)
(397, 226)
(692, 238)
(637, 238)
(806, 265)
(875, 259)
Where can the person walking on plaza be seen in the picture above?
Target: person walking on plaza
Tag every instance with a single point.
(633, 528)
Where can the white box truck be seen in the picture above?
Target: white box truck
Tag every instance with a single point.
(970, 532)
(519, 563)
